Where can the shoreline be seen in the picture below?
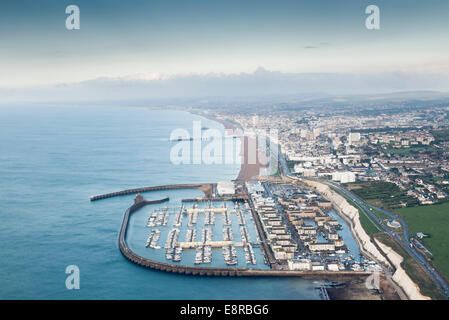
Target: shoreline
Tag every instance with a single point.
(344, 292)
(247, 171)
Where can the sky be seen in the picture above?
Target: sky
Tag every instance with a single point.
(163, 38)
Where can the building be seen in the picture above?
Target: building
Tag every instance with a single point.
(354, 137)
(332, 267)
(343, 177)
(225, 188)
(317, 266)
(301, 264)
(322, 246)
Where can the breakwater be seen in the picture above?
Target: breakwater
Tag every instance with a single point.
(219, 271)
(231, 198)
(148, 189)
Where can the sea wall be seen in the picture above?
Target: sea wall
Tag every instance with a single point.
(369, 248)
(148, 189)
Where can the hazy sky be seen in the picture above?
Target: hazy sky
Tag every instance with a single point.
(120, 38)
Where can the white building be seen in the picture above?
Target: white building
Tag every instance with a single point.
(225, 188)
(343, 177)
(354, 137)
(302, 264)
(332, 267)
(317, 267)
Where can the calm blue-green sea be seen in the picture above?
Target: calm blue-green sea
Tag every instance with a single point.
(52, 159)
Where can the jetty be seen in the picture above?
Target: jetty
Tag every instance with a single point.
(202, 186)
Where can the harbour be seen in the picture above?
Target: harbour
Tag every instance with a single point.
(311, 240)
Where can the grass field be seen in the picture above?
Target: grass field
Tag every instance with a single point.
(408, 150)
(434, 221)
(382, 194)
(441, 135)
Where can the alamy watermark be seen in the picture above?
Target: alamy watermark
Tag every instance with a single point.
(372, 22)
(73, 280)
(72, 22)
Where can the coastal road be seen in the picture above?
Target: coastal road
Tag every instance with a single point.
(402, 239)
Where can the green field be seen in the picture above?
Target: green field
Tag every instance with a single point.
(407, 150)
(434, 221)
(385, 195)
(441, 135)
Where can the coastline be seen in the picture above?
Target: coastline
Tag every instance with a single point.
(351, 288)
(387, 257)
(247, 171)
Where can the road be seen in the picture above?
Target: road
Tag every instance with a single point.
(402, 239)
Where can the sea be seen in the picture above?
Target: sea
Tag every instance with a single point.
(53, 158)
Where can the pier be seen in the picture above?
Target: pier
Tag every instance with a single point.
(202, 186)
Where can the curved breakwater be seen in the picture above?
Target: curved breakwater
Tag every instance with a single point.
(146, 189)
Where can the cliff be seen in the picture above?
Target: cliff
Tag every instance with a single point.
(366, 246)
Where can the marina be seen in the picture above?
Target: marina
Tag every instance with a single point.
(206, 238)
(227, 234)
(240, 217)
(178, 253)
(226, 218)
(245, 235)
(230, 255)
(191, 235)
(301, 234)
(158, 218)
(239, 259)
(153, 238)
(178, 218)
(209, 218)
(172, 238)
(193, 217)
(203, 254)
(250, 257)
(206, 235)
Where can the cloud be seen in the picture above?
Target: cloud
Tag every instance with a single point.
(260, 83)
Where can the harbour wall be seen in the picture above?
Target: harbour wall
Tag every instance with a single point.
(147, 189)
